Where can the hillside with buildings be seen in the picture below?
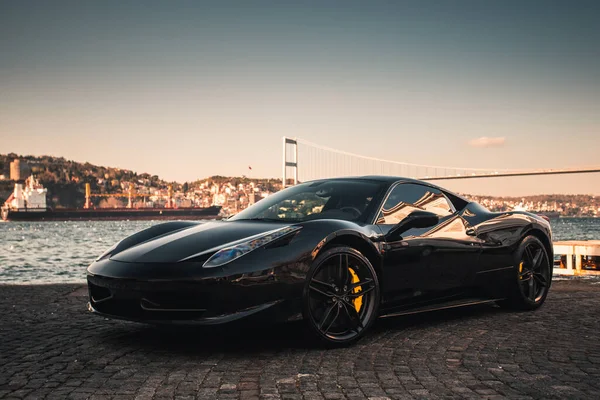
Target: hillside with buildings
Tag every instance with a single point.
(565, 205)
(66, 179)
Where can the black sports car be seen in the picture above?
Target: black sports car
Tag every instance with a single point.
(337, 253)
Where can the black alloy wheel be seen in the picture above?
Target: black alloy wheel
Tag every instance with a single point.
(534, 275)
(341, 296)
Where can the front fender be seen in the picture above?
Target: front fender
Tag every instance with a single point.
(344, 235)
(330, 231)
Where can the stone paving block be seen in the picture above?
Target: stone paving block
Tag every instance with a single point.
(52, 348)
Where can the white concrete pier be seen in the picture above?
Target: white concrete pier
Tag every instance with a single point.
(576, 252)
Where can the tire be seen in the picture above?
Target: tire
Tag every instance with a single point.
(341, 296)
(532, 279)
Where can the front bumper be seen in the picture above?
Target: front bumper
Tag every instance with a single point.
(189, 320)
(198, 300)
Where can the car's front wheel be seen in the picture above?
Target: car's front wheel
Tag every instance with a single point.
(341, 296)
(533, 276)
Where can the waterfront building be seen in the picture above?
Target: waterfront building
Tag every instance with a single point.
(19, 170)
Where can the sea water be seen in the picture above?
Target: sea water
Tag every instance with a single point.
(55, 252)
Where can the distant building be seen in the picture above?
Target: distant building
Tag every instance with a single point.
(19, 170)
(15, 170)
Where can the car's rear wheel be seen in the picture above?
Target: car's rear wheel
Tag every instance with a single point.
(533, 276)
(341, 296)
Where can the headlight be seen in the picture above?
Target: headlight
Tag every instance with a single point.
(232, 252)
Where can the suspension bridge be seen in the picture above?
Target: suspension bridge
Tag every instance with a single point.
(304, 161)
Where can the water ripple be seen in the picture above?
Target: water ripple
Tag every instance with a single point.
(53, 252)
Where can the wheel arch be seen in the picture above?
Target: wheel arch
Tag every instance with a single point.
(355, 240)
(544, 239)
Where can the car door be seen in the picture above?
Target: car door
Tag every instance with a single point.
(497, 232)
(455, 254)
(425, 262)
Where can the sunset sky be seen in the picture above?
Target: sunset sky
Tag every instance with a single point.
(188, 89)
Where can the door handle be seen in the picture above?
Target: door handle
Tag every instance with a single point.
(471, 231)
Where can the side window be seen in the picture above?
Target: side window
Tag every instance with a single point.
(408, 197)
(457, 202)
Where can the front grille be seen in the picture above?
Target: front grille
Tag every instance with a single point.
(147, 300)
(178, 300)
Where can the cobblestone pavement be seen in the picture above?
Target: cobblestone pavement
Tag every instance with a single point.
(51, 347)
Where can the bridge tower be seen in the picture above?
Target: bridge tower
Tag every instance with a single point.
(290, 159)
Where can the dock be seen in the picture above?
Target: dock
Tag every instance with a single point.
(578, 257)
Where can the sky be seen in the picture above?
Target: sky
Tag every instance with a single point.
(189, 89)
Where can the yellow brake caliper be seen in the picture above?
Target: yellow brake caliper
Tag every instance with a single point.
(358, 301)
(520, 270)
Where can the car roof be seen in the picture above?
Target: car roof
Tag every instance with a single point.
(375, 178)
(390, 180)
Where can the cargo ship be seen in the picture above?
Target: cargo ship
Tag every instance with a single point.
(29, 204)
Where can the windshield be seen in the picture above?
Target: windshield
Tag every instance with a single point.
(331, 199)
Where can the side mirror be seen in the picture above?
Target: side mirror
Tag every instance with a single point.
(416, 219)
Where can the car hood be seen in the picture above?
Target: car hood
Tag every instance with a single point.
(182, 244)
